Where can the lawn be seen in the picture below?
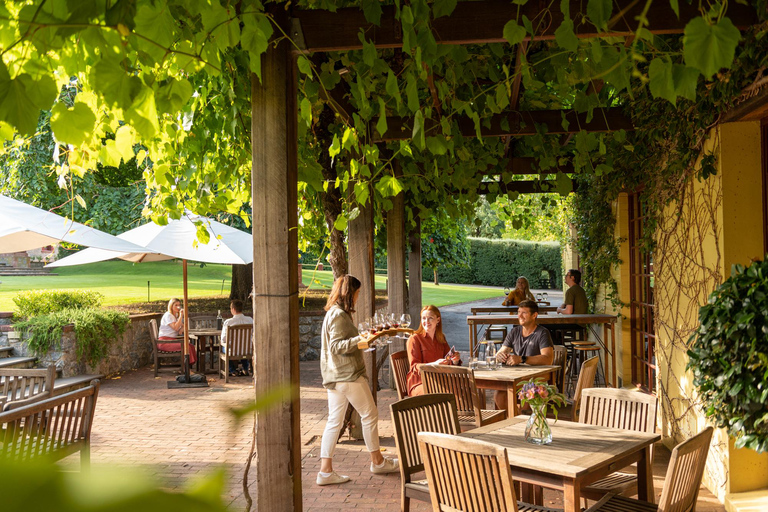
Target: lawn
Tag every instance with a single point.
(122, 282)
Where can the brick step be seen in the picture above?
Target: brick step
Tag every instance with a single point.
(17, 362)
(5, 352)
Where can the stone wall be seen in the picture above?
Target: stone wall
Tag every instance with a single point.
(134, 350)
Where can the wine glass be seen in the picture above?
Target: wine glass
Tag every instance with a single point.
(405, 320)
(538, 297)
(363, 328)
(506, 291)
(545, 296)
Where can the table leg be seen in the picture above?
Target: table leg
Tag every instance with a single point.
(571, 497)
(645, 490)
(512, 407)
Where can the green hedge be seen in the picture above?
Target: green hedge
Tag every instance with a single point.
(501, 262)
(33, 303)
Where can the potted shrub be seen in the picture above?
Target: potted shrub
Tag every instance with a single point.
(729, 356)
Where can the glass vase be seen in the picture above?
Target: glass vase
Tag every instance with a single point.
(537, 429)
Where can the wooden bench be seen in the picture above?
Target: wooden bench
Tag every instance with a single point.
(24, 383)
(54, 428)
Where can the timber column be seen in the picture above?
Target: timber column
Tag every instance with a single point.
(361, 259)
(414, 272)
(396, 286)
(274, 139)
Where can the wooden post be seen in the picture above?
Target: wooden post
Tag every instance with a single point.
(414, 271)
(396, 289)
(274, 138)
(361, 266)
(185, 341)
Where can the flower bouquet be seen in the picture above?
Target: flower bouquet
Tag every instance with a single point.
(539, 395)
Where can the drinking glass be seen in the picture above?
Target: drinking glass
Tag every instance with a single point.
(538, 297)
(506, 291)
(473, 363)
(490, 355)
(405, 320)
(545, 296)
(362, 328)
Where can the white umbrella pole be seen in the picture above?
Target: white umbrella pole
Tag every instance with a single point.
(186, 322)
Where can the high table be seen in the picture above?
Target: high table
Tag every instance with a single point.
(509, 309)
(607, 321)
(206, 337)
(508, 378)
(579, 455)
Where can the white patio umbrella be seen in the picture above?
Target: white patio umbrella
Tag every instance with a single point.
(176, 240)
(24, 227)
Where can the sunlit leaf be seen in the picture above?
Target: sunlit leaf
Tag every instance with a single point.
(22, 98)
(72, 125)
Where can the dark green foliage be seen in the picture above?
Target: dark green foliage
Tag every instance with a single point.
(43, 302)
(501, 262)
(729, 356)
(95, 330)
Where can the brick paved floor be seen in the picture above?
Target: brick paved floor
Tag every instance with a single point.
(178, 435)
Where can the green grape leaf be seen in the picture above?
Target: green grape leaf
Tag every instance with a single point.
(157, 27)
(372, 11)
(564, 184)
(304, 65)
(443, 8)
(306, 111)
(124, 143)
(381, 124)
(73, 126)
(675, 7)
(412, 93)
(686, 80)
(109, 155)
(418, 129)
(661, 83)
(514, 33)
(369, 51)
(599, 12)
(437, 145)
(172, 96)
(142, 115)
(392, 89)
(22, 98)
(118, 88)
(388, 186)
(340, 223)
(361, 192)
(565, 36)
(335, 148)
(709, 47)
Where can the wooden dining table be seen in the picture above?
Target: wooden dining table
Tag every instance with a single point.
(509, 379)
(206, 337)
(579, 455)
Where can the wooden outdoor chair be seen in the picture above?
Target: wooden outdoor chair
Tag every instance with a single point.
(54, 428)
(681, 485)
(24, 383)
(617, 408)
(586, 380)
(398, 363)
(469, 475)
(426, 413)
(460, 382)
(561, 360)
(239, 345)
(158, 354)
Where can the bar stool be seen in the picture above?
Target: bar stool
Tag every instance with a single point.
(583, 350)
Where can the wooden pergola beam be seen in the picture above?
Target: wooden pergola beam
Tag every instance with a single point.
(521, 187)
(519, 124)
(525, 166)
(483, 22)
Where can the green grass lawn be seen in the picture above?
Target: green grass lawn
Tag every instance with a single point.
(122, 282)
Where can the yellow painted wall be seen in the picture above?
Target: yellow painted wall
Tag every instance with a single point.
(621, 275)
(718, 223)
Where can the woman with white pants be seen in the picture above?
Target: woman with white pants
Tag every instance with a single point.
(343, 371)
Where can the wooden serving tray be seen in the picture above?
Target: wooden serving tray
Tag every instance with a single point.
(366, 343)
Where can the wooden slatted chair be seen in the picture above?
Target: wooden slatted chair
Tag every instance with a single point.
(460, 382)
(398, 364)
(586, 380)
(681, 485)
(239, 345)
(617, 408)
(426, 413)
(161, 354)
(561, 360)
(469, 475)
(55, 427)
(25, 383)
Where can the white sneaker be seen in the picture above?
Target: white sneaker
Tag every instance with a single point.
(388, 466)
(333, 478)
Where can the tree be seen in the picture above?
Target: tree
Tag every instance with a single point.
(444, 242)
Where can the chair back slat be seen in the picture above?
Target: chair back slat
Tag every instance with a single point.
(686, 468)
(23, 383)
(426, 413)
(153, 331)
(240, 341)
(560, 359)
(586, 380)
(467, 475)
(398, 362)
(455, 380)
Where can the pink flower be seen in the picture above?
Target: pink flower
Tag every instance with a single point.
(543, 393)
(530, 394)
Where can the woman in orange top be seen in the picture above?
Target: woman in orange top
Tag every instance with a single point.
(427, 345)
(521, 292)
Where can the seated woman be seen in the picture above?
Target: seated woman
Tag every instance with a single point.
(427, 345)
(171, 327)
(521, 292)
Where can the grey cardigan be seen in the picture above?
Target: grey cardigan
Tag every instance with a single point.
(340, 359)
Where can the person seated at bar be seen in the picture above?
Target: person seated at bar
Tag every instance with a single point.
(171, 327)
(527, 343)
(576, 302)
(427, 345)
(521, 292)
(238, 318)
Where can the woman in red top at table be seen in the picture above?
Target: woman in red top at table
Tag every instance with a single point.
(171, 327)
(427, 345)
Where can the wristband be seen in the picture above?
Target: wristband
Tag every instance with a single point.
(523, 359)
